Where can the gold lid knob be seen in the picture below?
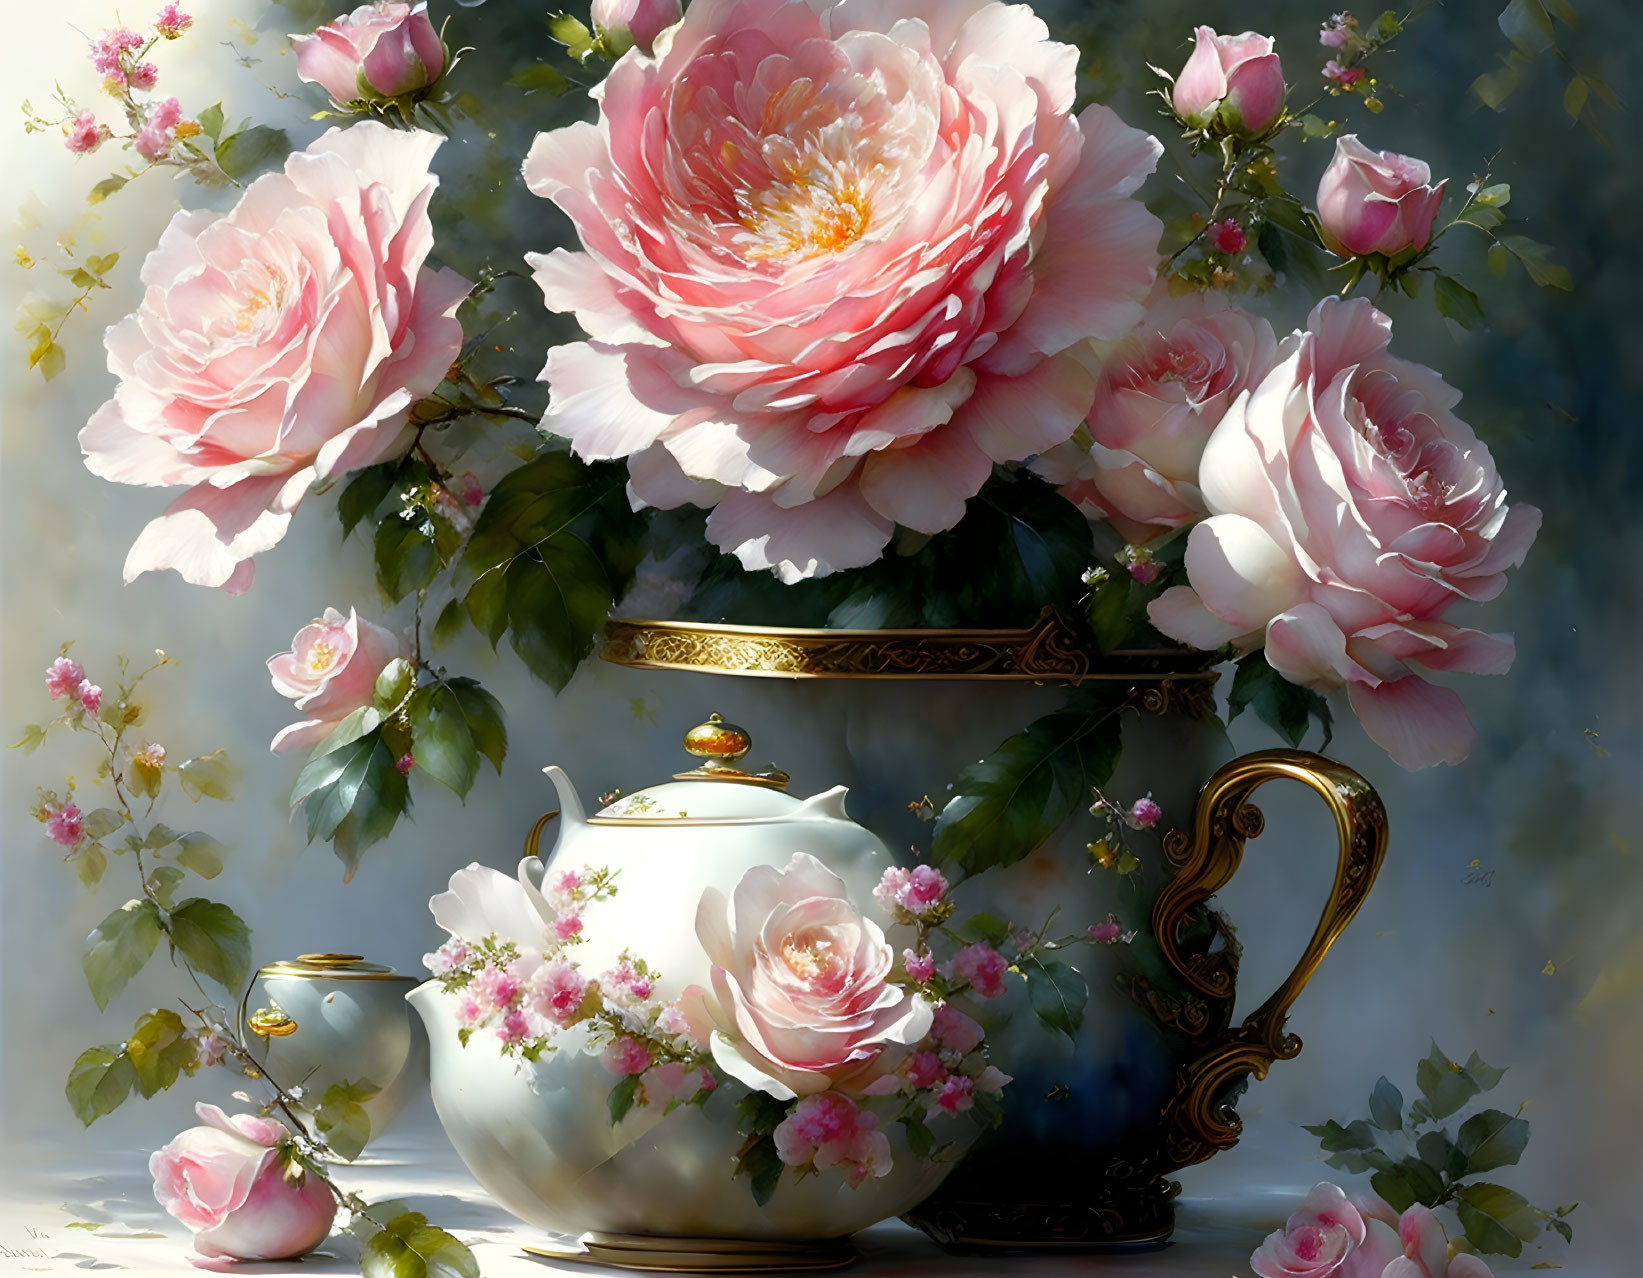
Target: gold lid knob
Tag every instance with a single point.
(718, 741)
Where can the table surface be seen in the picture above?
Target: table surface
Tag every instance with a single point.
(61, 1218)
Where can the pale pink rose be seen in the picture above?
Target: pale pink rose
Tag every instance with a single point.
(661, 1085)
(279, 344)
(1411, 1246)
(625, 1055)
(89, 695)
(171, 21)
(800, 999)
(1314, 1241)
(493, 988)
(982, 966)
(827, 1130)
(143, 76)
(225, 1182)
(555, 993)
(641, 20)
(1234, 81)
(1349, 509)
(955, 1031)
(924, 1069)
(837, 265)
(379, 51)
(1162, 390)
(108, 51)
(84, 134)
(1376, 201)
(64, 676)
(330, 671)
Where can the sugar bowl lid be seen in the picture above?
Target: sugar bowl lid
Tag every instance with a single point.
(717, 788)
(332, 967)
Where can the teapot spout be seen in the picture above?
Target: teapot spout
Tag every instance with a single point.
(826, 806)
(571, 811)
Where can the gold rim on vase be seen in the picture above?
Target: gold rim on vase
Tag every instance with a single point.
(1049, 651)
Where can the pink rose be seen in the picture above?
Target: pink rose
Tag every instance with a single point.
(64, 676)
(1161, 392)
(64, 825)
(1349, 509)
(640, 20)
(226, 1182)
(1235, 82)
(661, 1085)
(828, 1130)
(983, 967)
(800, 999)
(1315, 1239)
(1376, 201)
(379, 51)
(330, 672)
(278, 344)
(838, 264)
(83, 133)
(955, 1031)
(625, 1055)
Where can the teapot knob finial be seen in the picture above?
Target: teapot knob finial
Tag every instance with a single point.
(718, 741)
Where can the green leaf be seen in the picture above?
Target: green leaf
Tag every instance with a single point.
(1386, 1106)
(1491, 1139)
(1438, 1152)
(1388, 25)
(201, 853)
(919, 1137)
(621, 1098)
(1574, 97)
(49, 359)
(1283, 706)
(539, 75)
(118, 947)
(1010, 802)
(1397, 1191)
(485, 720)
(341, 1118)
(250, 149)
(1457, 301)
(762, 1166)
(409, 1247)
(487, 604)
(448, 623)
(393, 685)
(365, 492)
(98, 1081)
(158, 1051)
(406, 557)
(569, 31)
(208, 775)
(210, 121)
(1426, 1183)
(759, 1114)
(1496, 1219)
(1117, 608)
(1499, 259)
(90, 863)
(1057, 994)
(441, 739)
(1333, 1137)
(215, 941)
(985, 927)
(556, 605)
(99, 823)
(160, 835)
(1536, 260)
(106, 188)
(1527, 25)
(163, 883)
(30, 741)
(1487, 1077)
(353, 796)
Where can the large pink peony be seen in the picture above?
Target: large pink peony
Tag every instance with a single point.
(226, 1182)
(277, 345)
(1349, 509)
(837, 264)
(800, 1001)
(1162, 390)
(330, 672)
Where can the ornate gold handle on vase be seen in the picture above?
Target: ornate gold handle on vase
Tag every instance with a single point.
(1199, 1117)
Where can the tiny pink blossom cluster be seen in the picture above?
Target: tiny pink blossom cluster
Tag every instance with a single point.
(1331, 1236)
(1144, 813)
(981, 967)
(948, 1068)
(171, 22)
(154, 140)
(829, 1130)
(84, 134)
(64, 824)
(65, 678)
(1109, 933)
(1338, 31)
(108, 55)
(918, 892)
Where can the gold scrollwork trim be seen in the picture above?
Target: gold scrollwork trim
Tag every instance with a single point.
(1049, 651)
(1199, 1115)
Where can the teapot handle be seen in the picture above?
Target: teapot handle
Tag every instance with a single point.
(533, 840)
(1199, 1116)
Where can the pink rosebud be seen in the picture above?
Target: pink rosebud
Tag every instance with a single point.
(171, 22)
(1376, 201)
(567, 925)
(378, 52)
(926, 885)
(1232, 82)
(982, 967)
(640, 20)
(84, 134)
(89, 695)
(63, 825)
(1106, 933)
(227, 1182)
(626, 1055)
(1229, 238)
(924, 1069)
(143, 76)
(1145, 571)
(920, 967)
(1342, 75)
(405, 762)
(513, 1028)
(1144, 814)
(957, 1094)
(955, 1031)
(64, 676)
(1316, 1239)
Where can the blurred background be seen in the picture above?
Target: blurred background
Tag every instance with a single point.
(1506, 918)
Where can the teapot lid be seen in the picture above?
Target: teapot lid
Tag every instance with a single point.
(716, 788)
(332, 967)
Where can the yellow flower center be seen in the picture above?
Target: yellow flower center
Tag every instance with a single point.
(806, 961)
(814, 212)
(320, 656)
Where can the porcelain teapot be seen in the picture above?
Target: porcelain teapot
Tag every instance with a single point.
(539, 1136)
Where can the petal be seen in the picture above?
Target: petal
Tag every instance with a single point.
(926, 486)
(1180, 614)
(1306, 646)
(1242, 575)
(1417, 723)
(815, 539)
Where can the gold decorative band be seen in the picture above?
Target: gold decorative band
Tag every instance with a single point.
(1050, 651)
